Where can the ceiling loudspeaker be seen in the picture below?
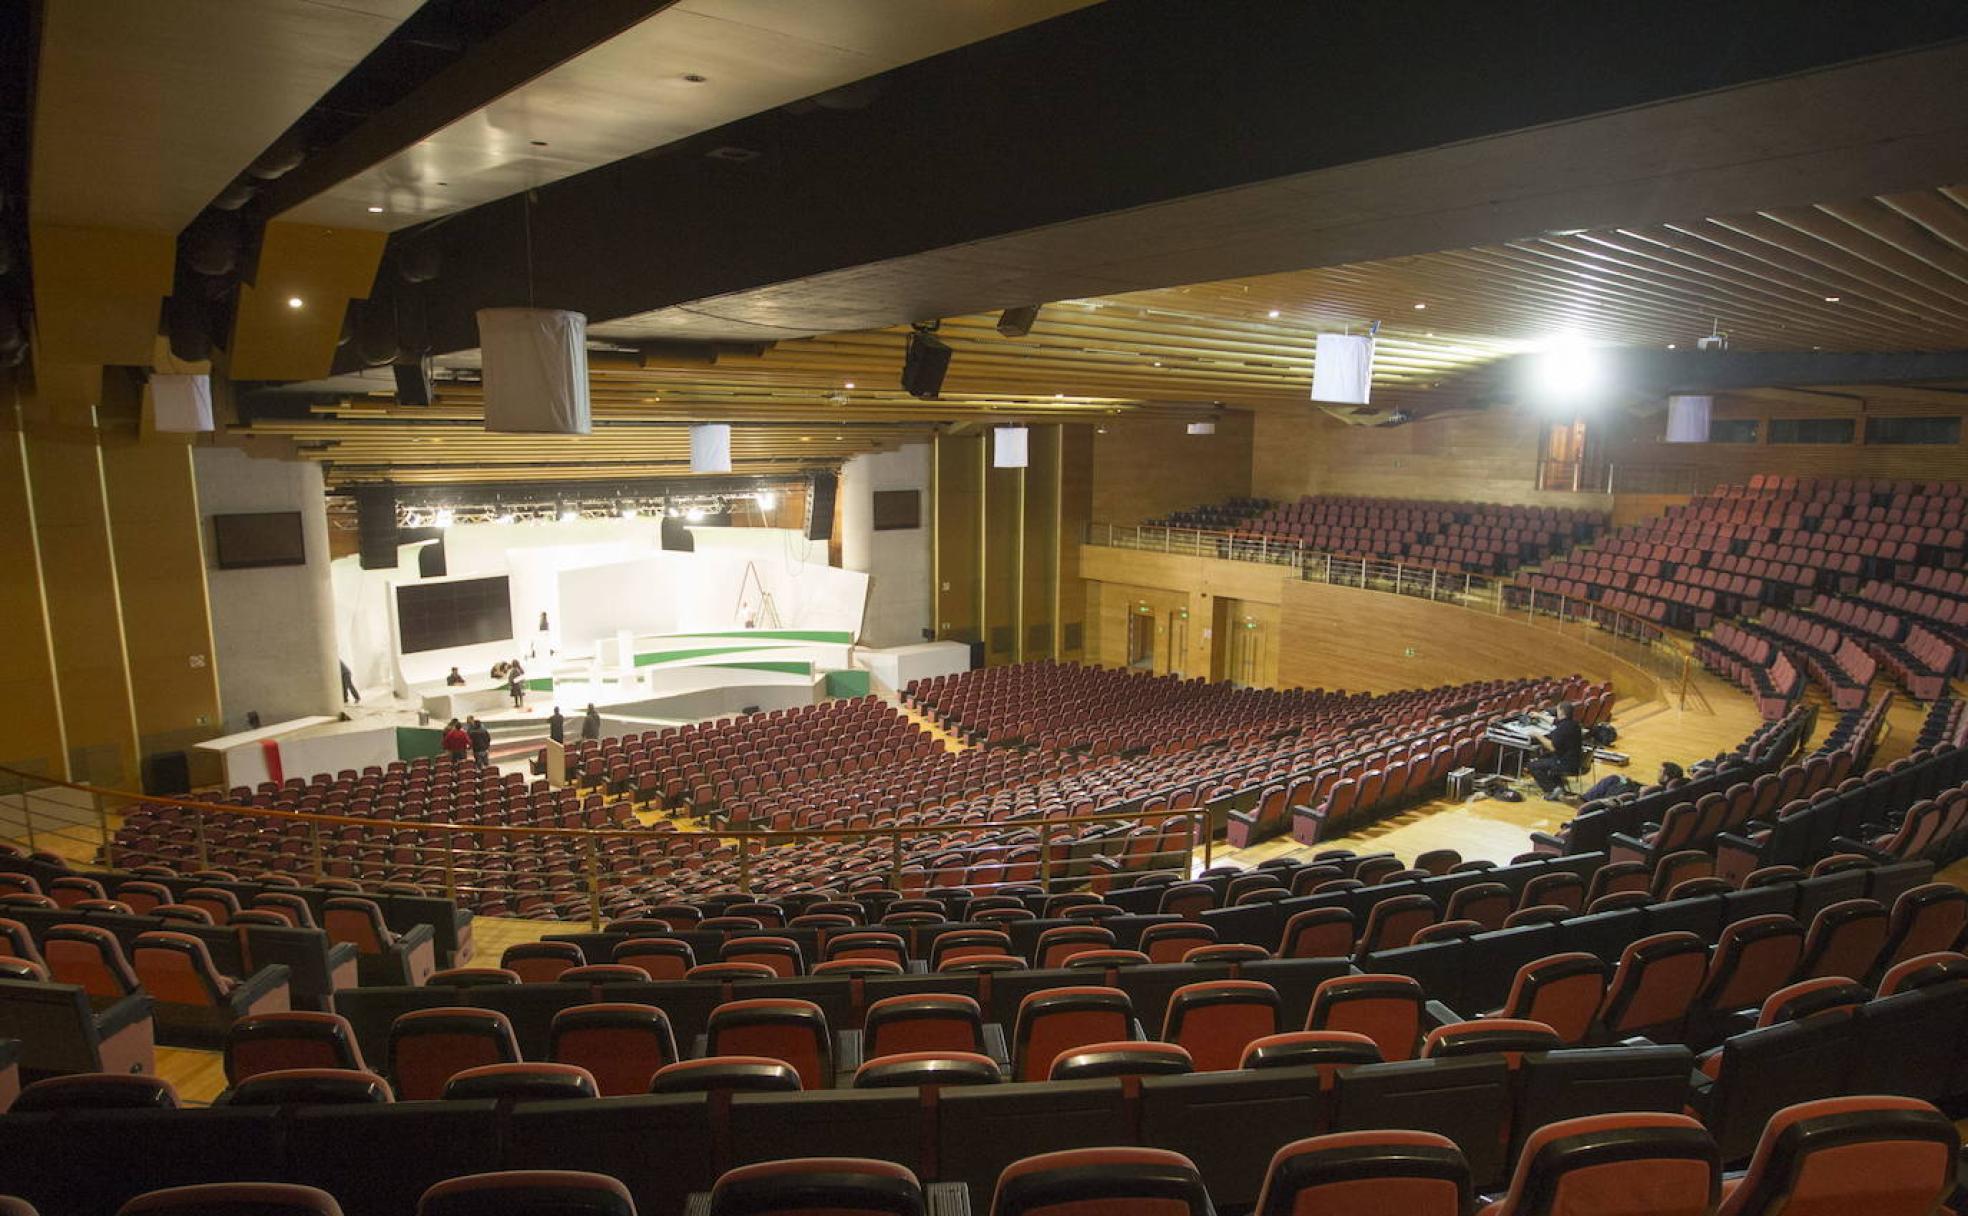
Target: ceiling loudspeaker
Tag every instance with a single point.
(924, 363)
(1017, 322)
(820, 489)
(710, 448)
(413, 382)
(375, 526)
(181, 404)
(535, 364)
(1687, 418)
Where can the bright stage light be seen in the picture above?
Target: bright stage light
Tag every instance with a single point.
(568, 517)
(444, 517)
(694, 514)
(505, 518)
(768, 500)
(1567, 372)
(628, 512)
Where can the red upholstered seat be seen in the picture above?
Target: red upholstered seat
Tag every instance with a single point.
(1385, 1008)
(1057, 1019)
(269, 1042)
(528, 1193)
(257, 1198)
(1633, 1164)
(622, 1045)
(836, 1186)
(1372, 1173)
(923, 1022)
(791, 1031)
(1880, 1156)
(427, 1047)
(1216, 1020)
(1095, 1181)
(542, 962)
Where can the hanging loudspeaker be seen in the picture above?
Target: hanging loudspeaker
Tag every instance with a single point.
(924, 362)
(710, 448)
(413, 382)
(1342, 368)
(535, 364)
(820, 489)
(1010, 447)
(181, 404)
(375, 524)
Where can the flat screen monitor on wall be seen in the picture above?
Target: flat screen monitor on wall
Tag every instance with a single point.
(464, 612)
(267, 538)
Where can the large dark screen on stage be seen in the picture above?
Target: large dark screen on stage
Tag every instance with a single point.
(436, 616)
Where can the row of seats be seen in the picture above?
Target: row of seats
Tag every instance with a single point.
(1878, 1155)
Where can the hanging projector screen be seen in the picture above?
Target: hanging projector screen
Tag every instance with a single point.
(453, 612)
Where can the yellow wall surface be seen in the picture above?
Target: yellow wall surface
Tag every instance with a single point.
(1146, 469)
(31, 727)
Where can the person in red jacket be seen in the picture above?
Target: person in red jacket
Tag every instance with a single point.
(455, 742)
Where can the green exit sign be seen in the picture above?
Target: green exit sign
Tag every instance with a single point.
(1409, 653)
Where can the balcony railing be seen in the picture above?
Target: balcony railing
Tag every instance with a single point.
(1627, 637)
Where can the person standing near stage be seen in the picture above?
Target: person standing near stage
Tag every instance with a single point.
(516, 684)
(591, 723)
(455, 742)
(349, 692)
(481, 741)
(557, 726)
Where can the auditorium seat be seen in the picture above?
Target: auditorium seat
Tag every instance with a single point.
(1880, 1156)
(1394, 922)
(90, 957)
(1844, 940)
(193, 1004)
(1054, 1020)
(384, 956)
(1754, 958)
(427, 1047)
(1167, 943)
(311, 1087)
(1562, 991)
(541, 962)
(217, 902)
(836, 1186)
(1318, 933)
(1487, 903)
(1925, 920)
(622, 1045)
(269, 1042)
(465, 977)
(597, 974)
(1632, 1164)
(725, 973)
(1061, 942)
(97, 1091)
(69, 890)
(234, 1199)
(791, 1031)
(1214, 1021)
(928, 1070)
(522, 1082)
(715, 1074)
(1562, 889)
(1368, 1173)
(17, 942)
(922, 1022)
(779, 953)
(1508, 1037)
(1089, 1181)
(1940, 967)
(867, 945)
(528, 1193)
(1385, 1008)
(1653, 988)
(960, 944)
(663, 958)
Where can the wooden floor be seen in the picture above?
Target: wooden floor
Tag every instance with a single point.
(1650, 733)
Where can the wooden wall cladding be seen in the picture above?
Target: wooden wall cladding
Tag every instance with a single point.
(1144, 469)
(1372, 641)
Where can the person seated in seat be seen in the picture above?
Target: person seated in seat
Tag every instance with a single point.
(1563, 748)
(454, 679)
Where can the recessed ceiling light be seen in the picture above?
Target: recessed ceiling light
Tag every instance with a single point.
(1273, 314)
(1158, 363)
(1419, 307)
(850, 384)
(294, 301)
(1831, 299)
(806, 439)
(375, 211)
(1429, 334)
(1059, 396)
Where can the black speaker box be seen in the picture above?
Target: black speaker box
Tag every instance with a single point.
(820, 489)
(976, 655)
(413, 382)
(1017, 322)
(167, 773)
(430, 560)
(375, 522)
(924, 363)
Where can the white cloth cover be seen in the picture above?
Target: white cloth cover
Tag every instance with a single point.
(181, 403)
(1009, 447)
(1687, 419)
(710, 448)
(536, 370)
(1342, 368)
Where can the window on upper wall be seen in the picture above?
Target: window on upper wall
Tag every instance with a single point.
(1733, 430)
(1918, 429)
(1812, 430)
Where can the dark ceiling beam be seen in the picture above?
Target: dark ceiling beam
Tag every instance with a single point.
(554, 32)
(1071, 125)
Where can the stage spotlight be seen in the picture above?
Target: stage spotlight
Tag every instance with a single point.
(444, 517)
(768, 500)
(505, 518)
(1566, 372)
(694, 514)
(628, 512)
(568, 517)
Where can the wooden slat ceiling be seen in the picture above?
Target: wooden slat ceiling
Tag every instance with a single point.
(1881, 274)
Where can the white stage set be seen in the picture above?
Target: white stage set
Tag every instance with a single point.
(752, 617)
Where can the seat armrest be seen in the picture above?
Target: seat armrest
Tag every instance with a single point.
(121, 1014)
(1701, 1094)
(265, 991)
(1621, 847)
(848, 1045)
(1845, 844)
(946, 1199)
(340, 954)
(1549, 844)
(1438, 1015)
(995, 1046)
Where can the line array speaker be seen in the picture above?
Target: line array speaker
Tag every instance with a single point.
(413, 382)
(924, 363)
(1017, 322)
(375, 525)
(820, 489)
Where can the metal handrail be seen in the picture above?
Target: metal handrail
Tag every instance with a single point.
(1196, 834)
(1620, 634)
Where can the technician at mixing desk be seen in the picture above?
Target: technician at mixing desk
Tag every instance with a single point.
(1562, 745)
